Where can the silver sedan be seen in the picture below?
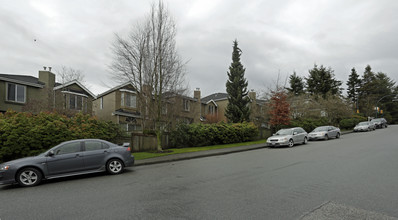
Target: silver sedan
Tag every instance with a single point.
(324, 133)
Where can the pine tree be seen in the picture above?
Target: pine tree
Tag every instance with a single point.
(321, 81)
(296, 84)
(353, 86)
(237, 109)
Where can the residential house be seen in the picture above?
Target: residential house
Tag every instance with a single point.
(119, 105)
(122, 106)
(214, 106)
(27, 93)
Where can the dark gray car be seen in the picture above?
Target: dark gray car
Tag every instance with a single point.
(66, 159)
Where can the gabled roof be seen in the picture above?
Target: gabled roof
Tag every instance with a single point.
(215, 97)
(61, 86)
(114, 89)
(22, 79)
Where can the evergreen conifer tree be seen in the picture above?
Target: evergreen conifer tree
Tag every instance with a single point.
(237, 109)
(296, 84)
(353, 86)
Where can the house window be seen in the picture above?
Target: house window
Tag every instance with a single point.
(102, 103)
(16, 93)
(129, 100)
(211, 109)
(185, 105)
(77, 102)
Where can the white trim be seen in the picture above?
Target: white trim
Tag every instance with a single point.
(75, 93)
(211, 100)
(127, 90)
(114, 89)
(79, 84)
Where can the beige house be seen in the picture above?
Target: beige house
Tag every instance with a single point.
(119, 105)
(27, 93)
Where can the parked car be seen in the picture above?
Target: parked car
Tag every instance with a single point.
(380, 122)
(288, 137)
(365, 126)
(66, 159)
(324, 133)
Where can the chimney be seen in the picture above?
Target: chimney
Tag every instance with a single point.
(47, 77)
(196, 94)
(252, 95)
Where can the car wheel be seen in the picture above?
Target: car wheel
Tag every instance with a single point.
(338, 135)
(291, 143)
(305, 140)
(29, 177)
(326, 137)
(114, 166)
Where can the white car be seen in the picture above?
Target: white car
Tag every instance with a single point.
(288, 137)
(365, 126)
(324, 133)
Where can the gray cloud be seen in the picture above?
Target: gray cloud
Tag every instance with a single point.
(275, 37)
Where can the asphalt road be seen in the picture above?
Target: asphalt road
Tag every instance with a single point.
(354, 177)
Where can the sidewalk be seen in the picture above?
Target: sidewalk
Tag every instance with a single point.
(206, 153)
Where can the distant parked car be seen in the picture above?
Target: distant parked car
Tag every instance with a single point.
(365, 126)
(380, 122)
(66, 159)
(324, 133)
(288, 137)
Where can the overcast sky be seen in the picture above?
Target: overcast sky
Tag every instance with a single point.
(275, 36)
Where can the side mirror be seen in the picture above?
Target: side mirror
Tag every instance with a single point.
(295, 133)
(50, 153)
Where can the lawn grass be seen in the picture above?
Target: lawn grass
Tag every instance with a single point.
(146, 155)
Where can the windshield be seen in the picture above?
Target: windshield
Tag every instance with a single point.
(318, 129)
(284, 132)
(363, 123)
(376, 120)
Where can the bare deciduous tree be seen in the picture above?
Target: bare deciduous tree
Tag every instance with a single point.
(67, 74)
(148, 59)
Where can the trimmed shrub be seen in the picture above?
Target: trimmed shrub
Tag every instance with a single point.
(23, 134)
(349, 123)
(309, 124)
(196, 135)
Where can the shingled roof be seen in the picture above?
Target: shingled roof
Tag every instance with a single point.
(215, 97)
(22, 79)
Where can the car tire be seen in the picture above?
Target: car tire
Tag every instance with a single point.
(305, 140)
(29, 177)
(338, 135)
(326, 137)
(291, 143)
(114, 166)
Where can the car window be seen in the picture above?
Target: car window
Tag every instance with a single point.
(68, 148)
(95, 145)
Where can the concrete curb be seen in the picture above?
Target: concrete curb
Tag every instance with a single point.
(201, 154)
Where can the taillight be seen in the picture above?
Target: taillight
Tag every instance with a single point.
(128, 149)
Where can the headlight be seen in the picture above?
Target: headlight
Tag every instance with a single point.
(3, 167)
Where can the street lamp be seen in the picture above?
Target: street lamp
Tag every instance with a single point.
(395, 99)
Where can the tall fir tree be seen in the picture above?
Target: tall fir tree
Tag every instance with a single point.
(353, 86)
(321, 81)
(237, 109)
(296, 84)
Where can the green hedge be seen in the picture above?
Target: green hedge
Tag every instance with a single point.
(24, 134)
(349, 123)
(196, 135)
(309, 124)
